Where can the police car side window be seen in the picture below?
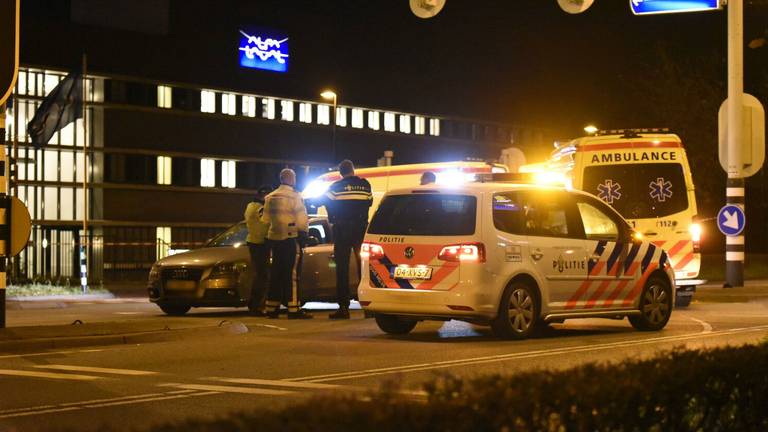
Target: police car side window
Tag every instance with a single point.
(549, 214)
(508, 213)
(597, 225)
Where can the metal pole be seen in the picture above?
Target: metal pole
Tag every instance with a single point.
(734, 248)
(6, 216)
(84, 241)
(333, 140)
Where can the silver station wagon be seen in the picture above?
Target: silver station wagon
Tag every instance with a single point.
(217, 275)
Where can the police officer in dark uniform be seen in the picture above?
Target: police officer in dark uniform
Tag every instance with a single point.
(347, 202)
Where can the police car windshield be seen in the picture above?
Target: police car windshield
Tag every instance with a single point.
(235, 234)
(639, 191)
(425, 215)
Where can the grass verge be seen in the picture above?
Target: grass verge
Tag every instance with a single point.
(713, 267)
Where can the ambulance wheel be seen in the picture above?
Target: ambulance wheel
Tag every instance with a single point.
(393, 324)
(655, 306)
(683, 301)
(174, 310)
(518, 312)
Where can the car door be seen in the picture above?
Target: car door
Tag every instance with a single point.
(318, 274)
(556, 246)
(611, 257)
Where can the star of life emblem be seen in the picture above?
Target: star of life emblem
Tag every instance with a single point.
(608, 191)
(660, 189)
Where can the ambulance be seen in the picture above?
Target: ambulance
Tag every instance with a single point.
(644, 174)
(512, 256)
(386, 178)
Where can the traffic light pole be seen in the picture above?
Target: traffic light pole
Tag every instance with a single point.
(734, 192)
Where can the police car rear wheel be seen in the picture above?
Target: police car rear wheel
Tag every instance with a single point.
(393, 324)
(174, 310)
(655, 306)
(518, 313)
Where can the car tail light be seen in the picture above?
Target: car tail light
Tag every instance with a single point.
(695, 230)
(371, 251)
(463, 252)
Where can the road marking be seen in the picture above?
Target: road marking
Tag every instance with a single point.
(50, 375)
(129, 313)
(275, 383)
(72, 406)
(178, 396)
(129, 372)
(515, 356)
(228, 389)
(269, 326)
(707, 327)
(50, 353)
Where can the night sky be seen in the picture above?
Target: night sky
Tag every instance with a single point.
(515, 61)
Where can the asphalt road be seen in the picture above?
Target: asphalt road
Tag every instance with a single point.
(280, 361)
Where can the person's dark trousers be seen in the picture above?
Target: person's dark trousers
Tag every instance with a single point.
(286, 269)
(260, 270)
(347, 238)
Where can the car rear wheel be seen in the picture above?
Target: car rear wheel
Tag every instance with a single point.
(655, 306)
(393, 324)
(174, 310)
(518, 312)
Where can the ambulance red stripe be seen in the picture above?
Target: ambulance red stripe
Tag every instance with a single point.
(677, 248)
(619, 146)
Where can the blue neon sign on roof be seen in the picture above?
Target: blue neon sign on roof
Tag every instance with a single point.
(261, 49)
(646, 7)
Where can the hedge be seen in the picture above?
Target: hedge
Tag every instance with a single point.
(716, 390)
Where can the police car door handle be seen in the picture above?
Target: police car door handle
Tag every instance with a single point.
(594, 257)
(651, 233)
(537, 254)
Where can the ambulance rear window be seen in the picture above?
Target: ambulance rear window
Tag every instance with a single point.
(639, 191)
(425, 215)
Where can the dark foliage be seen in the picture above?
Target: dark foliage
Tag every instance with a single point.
(719, 390)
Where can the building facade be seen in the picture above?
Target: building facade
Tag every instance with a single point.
(169, 164)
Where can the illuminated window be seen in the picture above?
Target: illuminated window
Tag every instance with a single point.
(419, 125)
(67, 164)
(286, 110)
(249, 106)
(21, 83)
(268, 108)
(305, 113)
(323, 114)
(228, 104)
(163, 170)
(405, 123)
(163, 96)
(51, 81)
(357, 118)
(207, 173)
(228, 174)
(434, 127)
(389, 122)
(66, 203)
(163, 241)
(341, 116)
(373, 120)
(207, 101)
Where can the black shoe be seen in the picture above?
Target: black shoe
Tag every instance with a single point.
(342, 313)
(272, 314)
(299, 315)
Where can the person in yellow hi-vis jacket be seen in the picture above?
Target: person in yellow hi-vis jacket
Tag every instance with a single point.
(258, 250)
(286, 215)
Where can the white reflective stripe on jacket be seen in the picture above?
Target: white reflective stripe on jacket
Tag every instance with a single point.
(285, 213)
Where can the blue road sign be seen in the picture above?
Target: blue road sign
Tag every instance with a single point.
(647, 7)
(731, 220)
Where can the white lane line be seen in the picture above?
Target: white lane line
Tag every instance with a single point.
(98, 403)
(269, 326)
(707, 328)
(513, 356)
(129, 372)
(50, 375)
(229, 389)
(275, 383)
(50, 353)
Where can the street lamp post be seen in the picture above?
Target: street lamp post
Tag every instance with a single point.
(331, 95)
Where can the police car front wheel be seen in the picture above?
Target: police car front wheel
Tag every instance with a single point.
(655, 306)
(518, 312)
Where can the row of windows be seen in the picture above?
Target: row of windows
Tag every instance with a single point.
(268, 109)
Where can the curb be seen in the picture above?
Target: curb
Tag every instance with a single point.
(225, 328)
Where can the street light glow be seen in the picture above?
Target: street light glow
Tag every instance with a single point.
(590, 129)
(328, 94)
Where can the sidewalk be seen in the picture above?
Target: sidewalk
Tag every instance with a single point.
(713, 292)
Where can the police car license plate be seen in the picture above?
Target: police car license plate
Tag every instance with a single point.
(413, 273)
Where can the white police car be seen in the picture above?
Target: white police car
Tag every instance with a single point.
(514, 256)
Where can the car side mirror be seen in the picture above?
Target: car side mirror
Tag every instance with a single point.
(313, 241)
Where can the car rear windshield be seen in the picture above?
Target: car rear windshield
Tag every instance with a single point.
(639, 191)
(425, 215)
